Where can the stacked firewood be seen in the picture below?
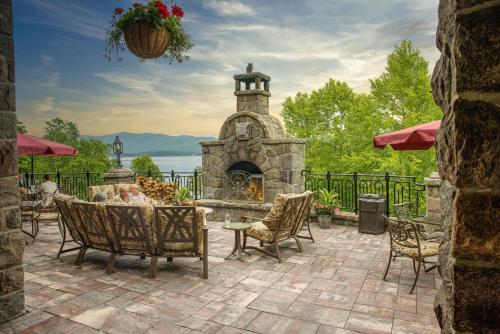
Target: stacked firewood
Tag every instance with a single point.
(160, 191)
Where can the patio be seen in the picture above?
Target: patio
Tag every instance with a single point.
(334, 286)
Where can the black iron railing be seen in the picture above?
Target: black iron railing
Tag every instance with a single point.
(396, 188)
(72, 183)
(191, 180)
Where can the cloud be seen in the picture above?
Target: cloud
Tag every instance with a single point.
(310, 42)
(43, 106)
(229, 8)
(67, 16)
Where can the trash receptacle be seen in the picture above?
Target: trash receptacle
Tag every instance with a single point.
(372, 207)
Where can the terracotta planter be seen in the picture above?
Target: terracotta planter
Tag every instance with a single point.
(146, 41)
(325, 221)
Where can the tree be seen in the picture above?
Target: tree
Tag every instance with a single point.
(20, 127)
(339, 124)
(93, 155)
(143, 163)
(403, 94)
(64, 132)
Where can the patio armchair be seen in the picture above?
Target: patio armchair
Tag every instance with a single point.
(44, 214)
(70, 231)
(306, 218)
(97, 231)
(428, 230)
(406, 241)
(131, 231)
(280, 224)
(179, 232)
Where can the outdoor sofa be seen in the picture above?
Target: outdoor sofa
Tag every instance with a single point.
(143, 230)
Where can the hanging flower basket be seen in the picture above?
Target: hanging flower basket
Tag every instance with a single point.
(146, 41)
(149, 30)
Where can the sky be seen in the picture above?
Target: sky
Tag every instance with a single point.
(61, 70)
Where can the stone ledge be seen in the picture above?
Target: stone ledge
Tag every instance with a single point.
(212, 143)
(252, 92)
(284, 141)
(215, 203)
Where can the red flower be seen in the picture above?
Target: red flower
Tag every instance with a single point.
(177, 11)
(136, 4)
(162, 9)
(118, 11)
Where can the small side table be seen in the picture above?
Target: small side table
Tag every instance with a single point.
(237, 227)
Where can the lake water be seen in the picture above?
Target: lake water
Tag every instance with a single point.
(166, 164)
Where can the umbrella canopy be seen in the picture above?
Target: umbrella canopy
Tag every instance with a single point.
(418, 137)
(31, 145)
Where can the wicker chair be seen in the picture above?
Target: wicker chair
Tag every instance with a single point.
(285, 227)
(406, 241)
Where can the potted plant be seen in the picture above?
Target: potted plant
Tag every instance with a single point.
(150, 30)
(326, 203)
(183, 197)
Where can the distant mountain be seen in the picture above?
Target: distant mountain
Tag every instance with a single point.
(155, 144)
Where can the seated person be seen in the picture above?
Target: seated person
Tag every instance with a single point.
(138, 197)
(99, 197)
(122, 197)
(47, 190)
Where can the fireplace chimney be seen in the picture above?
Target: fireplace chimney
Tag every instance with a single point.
(255, 95)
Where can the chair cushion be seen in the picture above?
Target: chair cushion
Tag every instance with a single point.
(47, 216)
(426, 249)
(260, 231)
(108, 189)
(183, 246)
(274, 215)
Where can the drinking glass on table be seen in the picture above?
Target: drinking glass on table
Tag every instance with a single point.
(227, 219)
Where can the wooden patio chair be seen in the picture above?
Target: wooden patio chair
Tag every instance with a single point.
(97, 233)
(285, 227)
(68, 227)
(179, 232)
(406, 241)
(131, 234)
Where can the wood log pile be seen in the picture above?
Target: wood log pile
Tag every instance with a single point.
(155, 189)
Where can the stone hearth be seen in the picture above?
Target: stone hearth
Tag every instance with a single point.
(252, 142)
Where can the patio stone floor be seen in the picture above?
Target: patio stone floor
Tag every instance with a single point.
(334, 286)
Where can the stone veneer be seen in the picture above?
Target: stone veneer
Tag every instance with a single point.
(11, 238)
(264, 144)
(433, 199)
(466, 85)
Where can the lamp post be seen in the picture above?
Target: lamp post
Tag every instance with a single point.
(118, 150)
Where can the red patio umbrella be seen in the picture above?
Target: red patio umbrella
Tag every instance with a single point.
(418, 137)
(28, 145)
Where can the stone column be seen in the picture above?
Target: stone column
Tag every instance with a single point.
(119, 175)
(433, 200)
(11, 238)
(466, 85)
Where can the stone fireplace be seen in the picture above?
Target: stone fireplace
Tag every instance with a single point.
(253, 160)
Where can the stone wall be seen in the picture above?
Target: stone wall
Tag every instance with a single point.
(466, 85)
(11, 238)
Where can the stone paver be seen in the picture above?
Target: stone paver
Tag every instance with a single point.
(335, 286)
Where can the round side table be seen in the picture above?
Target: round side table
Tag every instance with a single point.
(237, 227)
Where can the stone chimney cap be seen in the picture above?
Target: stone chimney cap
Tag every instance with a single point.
(250, 77)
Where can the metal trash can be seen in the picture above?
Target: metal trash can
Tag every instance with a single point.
(371, 209)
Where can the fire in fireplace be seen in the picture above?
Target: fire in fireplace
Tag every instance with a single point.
(244, 181)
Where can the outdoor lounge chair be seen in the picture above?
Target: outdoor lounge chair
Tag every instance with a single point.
(406, 241)
(280, 224)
